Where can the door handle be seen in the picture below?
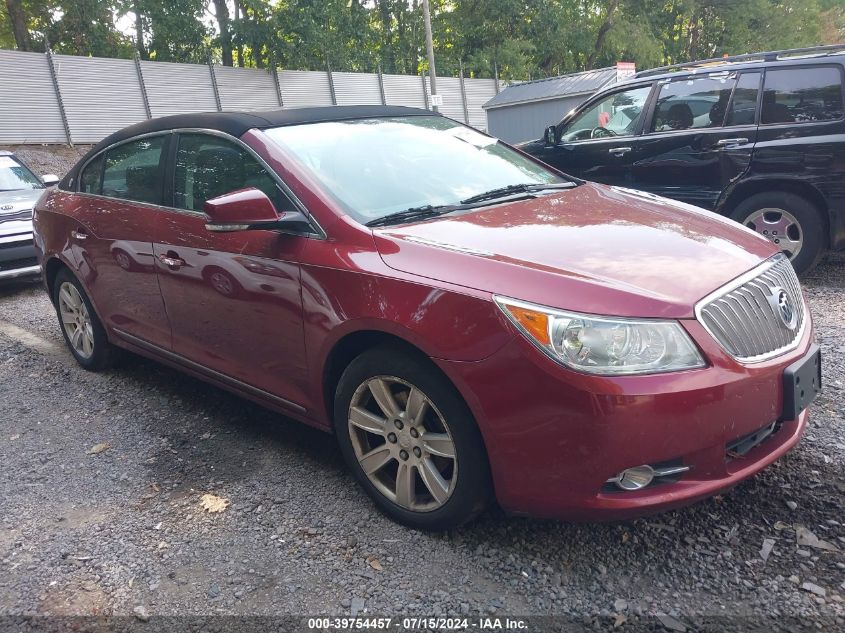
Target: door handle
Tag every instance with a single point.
(79, 235)
(173, 263)
(731, 141)
(618, 151)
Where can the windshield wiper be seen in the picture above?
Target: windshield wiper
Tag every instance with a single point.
(414, 213)
(521, 188)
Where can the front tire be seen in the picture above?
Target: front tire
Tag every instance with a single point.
(410, 440)
(791, 222)
(83, 332)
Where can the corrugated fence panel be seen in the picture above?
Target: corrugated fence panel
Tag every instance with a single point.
(246, 88)
(404, 90)
(100, 95)
(479, 92)
(178, 88)
(453, 102)
(29, 110)
(356, 88)
(302, 88)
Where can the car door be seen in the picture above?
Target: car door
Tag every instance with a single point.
(233, 298)
(699, 138)
(120, 191)
(599, 142)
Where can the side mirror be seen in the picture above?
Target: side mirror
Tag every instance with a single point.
(250, 209)
(550, 135)
(49, 179)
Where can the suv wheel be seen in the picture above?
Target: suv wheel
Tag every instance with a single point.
(84, 334)
(789, 221)
(410, 440)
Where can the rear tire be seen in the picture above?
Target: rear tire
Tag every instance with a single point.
(797, 221)
(83, 332)
(419, 433)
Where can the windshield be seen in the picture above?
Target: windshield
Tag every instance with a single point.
(375, 167)
(14, 176)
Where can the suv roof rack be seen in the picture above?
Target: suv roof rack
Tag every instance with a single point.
(769, 56)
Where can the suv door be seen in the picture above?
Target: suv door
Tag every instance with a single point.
(599, 142)
(233, 298)
(112, 240)
(699, 138)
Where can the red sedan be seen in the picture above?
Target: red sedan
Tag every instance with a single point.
(470, 323)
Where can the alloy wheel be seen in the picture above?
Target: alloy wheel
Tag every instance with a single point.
(76, 320)
(779, 226)
(403, 443)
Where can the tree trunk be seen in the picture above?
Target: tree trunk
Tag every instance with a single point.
(239, 48)
(602, 34)
(388, 55)
(222, 13)
(21, 32)
(139, 32)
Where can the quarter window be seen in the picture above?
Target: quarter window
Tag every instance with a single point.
(207, 167)
(802, 95)
(615, 115)
(91, 180)
(744, 104)
(132, 171)
(693, 103)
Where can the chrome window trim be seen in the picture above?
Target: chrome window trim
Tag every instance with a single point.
(733, 285)
(319, 232)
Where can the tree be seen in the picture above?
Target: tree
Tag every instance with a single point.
(17, 19)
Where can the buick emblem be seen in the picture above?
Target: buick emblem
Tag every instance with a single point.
(784, 308)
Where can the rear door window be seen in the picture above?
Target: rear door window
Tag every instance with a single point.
(744, 103)
(132, 171)
(91, 180)
(802, 95)
(693, 103)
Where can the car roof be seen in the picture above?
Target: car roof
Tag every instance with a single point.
(237, 123)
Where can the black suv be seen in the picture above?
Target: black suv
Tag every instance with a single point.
(759, 138)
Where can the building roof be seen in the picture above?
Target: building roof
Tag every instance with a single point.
(586, 82)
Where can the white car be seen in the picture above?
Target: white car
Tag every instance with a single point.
(19, 191)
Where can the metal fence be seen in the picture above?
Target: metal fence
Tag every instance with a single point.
(50, 98)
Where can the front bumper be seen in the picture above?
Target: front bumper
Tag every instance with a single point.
(554, 436)
(17, 256)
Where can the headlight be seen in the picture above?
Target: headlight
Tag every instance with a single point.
(604, 345)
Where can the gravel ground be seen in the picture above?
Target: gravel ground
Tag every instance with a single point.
(48, 159)
(121, 528)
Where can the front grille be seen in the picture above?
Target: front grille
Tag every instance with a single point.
(740, 447)
(26, 214)
(745, 319)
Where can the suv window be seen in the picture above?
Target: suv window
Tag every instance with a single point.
(802, 95)
(617, 114)
(691, 104)
(91, 180)
(208, 166)
(132, 170)
(744, 103)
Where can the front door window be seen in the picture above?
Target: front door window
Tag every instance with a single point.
(617, 114)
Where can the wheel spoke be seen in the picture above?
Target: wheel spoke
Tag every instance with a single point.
(405, 493)
(384, 397)
(87, 343)
(76, 338)
(439, 444)
(433, 480)
(68, 317)
(68, 299)
(366, 420)
(375, 459)
(416, 407)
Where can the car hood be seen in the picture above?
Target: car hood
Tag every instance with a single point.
(594, 249)
(18, 200)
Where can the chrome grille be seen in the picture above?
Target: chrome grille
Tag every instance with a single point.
(744, 316)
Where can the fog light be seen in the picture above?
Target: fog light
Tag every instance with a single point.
(634, 478)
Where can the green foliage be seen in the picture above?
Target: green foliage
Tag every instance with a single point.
(518, 38)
